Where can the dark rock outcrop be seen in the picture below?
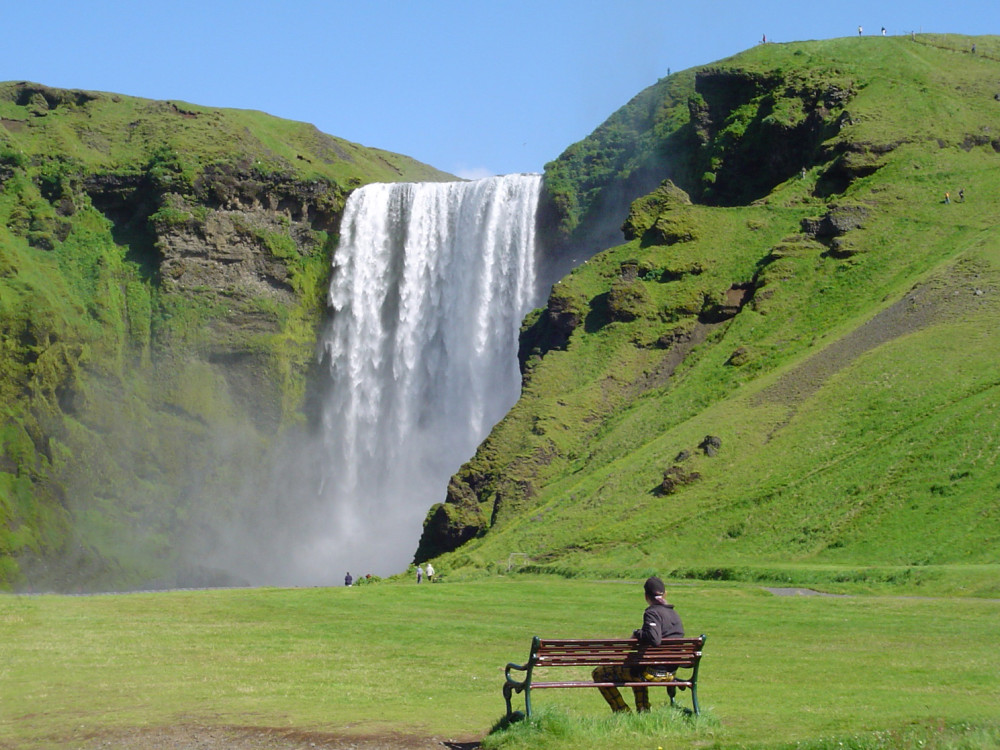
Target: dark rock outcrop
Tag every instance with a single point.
(711, 445)
(839, 220)
(758, 130)
(562, 315)
(452, 523)
(831, 228)
(674, 478)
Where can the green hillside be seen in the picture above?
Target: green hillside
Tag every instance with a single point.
(162, 275)
(786, 371)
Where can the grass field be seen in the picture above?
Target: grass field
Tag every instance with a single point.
(428, 661)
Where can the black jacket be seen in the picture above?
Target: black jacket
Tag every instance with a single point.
(659, 621)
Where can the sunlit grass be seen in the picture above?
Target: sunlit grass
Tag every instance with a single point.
(428, 660)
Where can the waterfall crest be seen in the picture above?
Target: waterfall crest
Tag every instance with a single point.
(429, 287)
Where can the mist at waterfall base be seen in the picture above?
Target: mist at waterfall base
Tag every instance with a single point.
(430, 283)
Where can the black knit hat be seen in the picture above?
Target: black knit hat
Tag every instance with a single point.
(654, 587)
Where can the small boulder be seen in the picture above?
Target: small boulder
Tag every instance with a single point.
(674, 478)
(710, 445)
(838, 221)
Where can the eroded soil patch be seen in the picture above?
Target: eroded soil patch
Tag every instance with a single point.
(255, 738)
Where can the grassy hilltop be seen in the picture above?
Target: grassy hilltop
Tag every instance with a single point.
(786, 371)
(163, 268)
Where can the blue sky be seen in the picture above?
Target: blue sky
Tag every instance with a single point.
(474, 88)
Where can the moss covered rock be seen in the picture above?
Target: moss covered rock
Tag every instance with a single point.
(646, 211)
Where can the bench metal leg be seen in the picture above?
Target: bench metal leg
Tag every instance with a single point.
(672, 691)
(508, 692)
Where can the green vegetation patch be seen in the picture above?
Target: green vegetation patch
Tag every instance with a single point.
(777, 670)
(810, 334)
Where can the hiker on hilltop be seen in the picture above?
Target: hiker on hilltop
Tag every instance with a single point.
(659, 621)
(348, 579)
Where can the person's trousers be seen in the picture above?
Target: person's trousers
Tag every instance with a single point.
(626, 674)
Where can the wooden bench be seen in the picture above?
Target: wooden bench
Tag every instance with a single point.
(684, 653)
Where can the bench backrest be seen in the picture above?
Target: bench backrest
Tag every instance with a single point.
(554, 652)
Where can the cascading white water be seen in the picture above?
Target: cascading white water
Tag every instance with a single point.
(430, 284)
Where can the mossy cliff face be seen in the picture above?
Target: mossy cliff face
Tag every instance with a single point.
(725, 134)
(779, 272)
(163, 270)
(720, 135)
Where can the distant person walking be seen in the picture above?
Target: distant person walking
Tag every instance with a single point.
(430, 573)
(947, 197)
(348, 580)
(883, 31)
(961, 195)
(659, 621)
(420, 573)
(860, 30)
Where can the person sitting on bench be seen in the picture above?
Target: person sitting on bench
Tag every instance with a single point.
(659, 621)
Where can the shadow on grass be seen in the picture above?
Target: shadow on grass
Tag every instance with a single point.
(556, 728)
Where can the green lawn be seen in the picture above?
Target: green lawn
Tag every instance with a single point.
(428, 660)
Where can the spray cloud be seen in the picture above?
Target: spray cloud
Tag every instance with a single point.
(429, 287)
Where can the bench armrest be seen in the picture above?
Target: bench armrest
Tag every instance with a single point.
(527, 667)
(512, 665)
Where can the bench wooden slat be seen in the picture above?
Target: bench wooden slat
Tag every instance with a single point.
(678, 652)
(648, 656)
(674, 663)
(672, 683)
(608, 642)
(680, 644)
(614, 655)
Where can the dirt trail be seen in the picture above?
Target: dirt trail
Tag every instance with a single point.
(253, 738)
(950, 295)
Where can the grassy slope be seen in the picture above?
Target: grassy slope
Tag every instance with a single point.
(368, 660)
(116, 412)
(111, 132)
(858, 438)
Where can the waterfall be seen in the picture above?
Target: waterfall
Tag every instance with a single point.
(430, 284)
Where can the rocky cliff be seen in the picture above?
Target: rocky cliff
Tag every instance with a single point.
(163, 269)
